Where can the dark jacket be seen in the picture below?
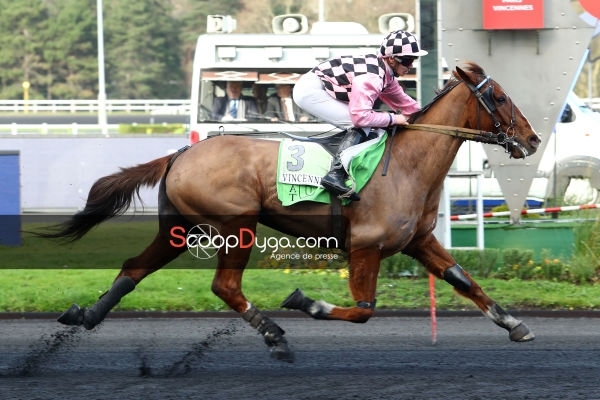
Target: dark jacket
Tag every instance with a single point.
(274, 109)
(221, 107)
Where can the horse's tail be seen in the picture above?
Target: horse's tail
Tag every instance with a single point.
(109, 197)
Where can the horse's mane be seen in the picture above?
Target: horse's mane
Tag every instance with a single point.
(450, 84)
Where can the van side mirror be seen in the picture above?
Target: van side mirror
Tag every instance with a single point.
(567, 115)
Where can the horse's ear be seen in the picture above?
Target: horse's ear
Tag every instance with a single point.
(463, 75)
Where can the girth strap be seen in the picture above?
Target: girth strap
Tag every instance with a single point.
(337, 220)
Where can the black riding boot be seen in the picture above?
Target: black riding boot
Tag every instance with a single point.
(335, 180)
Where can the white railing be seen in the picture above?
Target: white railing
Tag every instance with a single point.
(74, 129)
(58, 129)
(593, 103)
(180, 107)
(172, 106)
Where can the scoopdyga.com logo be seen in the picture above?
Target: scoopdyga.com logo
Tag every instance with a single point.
(204, 241)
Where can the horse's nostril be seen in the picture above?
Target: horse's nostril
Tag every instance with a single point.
(534, 141)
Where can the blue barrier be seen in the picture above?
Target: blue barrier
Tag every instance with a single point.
(10, 199)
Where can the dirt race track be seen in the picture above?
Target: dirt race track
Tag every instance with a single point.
(223, 358)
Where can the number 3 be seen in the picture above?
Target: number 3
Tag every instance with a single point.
(298, 152)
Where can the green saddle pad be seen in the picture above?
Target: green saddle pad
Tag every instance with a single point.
(301, 166)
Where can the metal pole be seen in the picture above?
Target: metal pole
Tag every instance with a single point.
(321, 11)
(102, 121)
(26, 86)
(447, 212)
(479, 207)
(439, 45)
(418, 33)
(590, 80)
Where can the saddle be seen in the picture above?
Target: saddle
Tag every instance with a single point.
(302, 163)
(330, 142)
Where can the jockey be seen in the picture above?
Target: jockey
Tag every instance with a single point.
(343, 91)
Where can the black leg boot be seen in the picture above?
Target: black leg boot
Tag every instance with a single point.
(335, 180)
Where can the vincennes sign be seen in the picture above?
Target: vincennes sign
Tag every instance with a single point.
(513, 14)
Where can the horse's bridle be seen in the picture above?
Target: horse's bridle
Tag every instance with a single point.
(486, 100)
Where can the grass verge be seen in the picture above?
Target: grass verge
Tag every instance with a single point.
(189, 290)
(44, 276)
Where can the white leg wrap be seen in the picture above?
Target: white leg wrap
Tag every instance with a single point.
(501, 317)
(320, 308)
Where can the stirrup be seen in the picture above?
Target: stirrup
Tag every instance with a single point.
(349, 195)
(346, 193)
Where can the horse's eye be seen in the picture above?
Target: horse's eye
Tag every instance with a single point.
(501, 99)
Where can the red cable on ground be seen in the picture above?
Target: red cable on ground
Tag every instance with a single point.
(523, 212)
(432, 310)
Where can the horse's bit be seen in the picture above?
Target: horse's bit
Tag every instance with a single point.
(486, 100)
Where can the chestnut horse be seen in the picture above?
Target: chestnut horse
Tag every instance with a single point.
(229, 183)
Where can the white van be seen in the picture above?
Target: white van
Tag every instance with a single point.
(569, 170)
(263, 60)
(571, 161)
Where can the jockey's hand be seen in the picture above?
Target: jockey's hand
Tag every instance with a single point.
(400, 119)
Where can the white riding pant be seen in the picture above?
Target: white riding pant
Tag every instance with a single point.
(311, 96)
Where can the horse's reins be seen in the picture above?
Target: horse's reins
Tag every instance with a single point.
(486, 100)
(386, 163)
(475, 135)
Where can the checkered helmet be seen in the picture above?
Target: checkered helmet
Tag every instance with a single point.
(399, 44)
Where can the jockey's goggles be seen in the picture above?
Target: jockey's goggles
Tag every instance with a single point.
(406, 61)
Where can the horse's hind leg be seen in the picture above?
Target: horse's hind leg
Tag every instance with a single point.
(159, 253)
(227, 285)
(440, 263)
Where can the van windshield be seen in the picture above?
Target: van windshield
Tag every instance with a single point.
(576, 100)
(251, 96)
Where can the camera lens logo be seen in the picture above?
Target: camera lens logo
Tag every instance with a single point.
(200, 241)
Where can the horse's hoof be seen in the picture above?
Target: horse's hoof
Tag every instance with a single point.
(73, 316)
(282, 352)
(295, 301)
(90, 319)
(521, 333)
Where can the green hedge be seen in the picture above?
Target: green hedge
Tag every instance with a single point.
(149, 129)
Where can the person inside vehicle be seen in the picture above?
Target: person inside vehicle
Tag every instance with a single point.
(281, 107)
(234, 105)
(259, 91)
(343, 91)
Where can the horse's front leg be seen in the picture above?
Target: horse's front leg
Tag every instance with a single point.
(440, 263)
(364, 268)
